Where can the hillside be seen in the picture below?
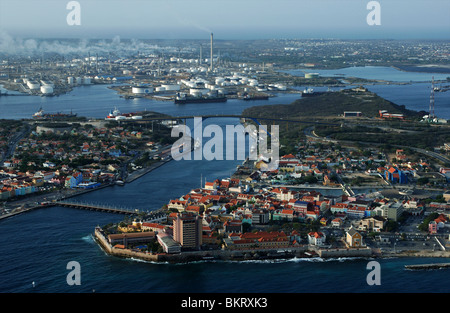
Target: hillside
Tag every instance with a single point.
(332, 104)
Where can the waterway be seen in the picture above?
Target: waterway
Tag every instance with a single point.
(37, 246)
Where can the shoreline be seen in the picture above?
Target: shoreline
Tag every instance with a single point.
(301, 253)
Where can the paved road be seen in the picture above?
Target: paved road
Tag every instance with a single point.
(309, 132)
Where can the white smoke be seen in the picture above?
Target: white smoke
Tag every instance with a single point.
(29, 47)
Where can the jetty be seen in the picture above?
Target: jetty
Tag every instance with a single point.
(432, 266)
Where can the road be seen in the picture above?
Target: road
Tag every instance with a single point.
(13, 143)
(309, 132)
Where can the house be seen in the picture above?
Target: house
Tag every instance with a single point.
(316, 238)
(440, 221)
(233, 226)
(339, 208)
(177, 205)
(336, 223)
(432, 227)
(287, 214)
(70, 182)
(353, 238)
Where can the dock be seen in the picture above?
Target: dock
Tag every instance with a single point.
(433, 266)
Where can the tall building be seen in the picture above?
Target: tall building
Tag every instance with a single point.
(187, 230)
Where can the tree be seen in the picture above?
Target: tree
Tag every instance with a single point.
(246, 227)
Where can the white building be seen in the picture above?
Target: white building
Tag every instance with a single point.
(316, 238)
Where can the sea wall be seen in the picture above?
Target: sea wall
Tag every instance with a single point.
(341, 253)
(123, 253)
(192, 256)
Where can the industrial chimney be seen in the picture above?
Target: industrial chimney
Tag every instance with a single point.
(212, 66)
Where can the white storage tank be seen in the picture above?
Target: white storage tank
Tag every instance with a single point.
(78, 80)
(142, 89)
(70, 80)
(171, 87)
(87, 80)
(33, 85)
(47, 83)
(46, 89)
(198, 91)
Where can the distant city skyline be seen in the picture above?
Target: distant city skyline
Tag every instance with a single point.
(227, 19)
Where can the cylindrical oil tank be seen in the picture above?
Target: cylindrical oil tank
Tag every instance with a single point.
(141, 89)
(46, 89)
(171, 87)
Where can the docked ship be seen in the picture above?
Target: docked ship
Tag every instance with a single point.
(311, 93)
(41, 115)
(183, 98)
(116, 115)
(248, 97)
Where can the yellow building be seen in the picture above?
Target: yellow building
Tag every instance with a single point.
(354, 238)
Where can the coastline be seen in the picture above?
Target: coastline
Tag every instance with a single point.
(262, 255)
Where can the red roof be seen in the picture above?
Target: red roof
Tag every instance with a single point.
(316, 234)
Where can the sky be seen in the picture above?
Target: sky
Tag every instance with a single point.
(227, 19)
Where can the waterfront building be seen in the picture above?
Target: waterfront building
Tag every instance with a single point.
(257, 240)
(353, 238)
(187, 230)
(131, 238)
(316, 238)
(167, 243)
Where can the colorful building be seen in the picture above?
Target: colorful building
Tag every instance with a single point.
(396, 176)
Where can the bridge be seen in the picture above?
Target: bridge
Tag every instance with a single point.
(91, 206)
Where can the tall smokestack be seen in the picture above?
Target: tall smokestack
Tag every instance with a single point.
(212, 66)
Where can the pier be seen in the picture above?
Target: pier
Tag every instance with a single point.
(434, 266)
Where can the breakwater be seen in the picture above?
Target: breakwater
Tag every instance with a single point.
(428, 266)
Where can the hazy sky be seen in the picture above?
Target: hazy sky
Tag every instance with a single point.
(228, 19)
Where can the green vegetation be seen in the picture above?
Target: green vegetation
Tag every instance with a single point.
(424, 225)
(331, 104)
(426, 138)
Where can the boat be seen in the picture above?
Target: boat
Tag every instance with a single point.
(311, 93)
(41, 115)
(120, 183)
(255, 97)
(182, 99)
(116, 115)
